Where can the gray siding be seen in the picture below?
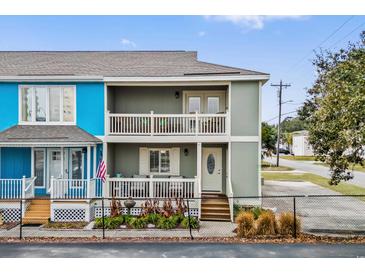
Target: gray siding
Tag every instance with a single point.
(126, 158)
(245, 169)
(144, 99)
(245, 108)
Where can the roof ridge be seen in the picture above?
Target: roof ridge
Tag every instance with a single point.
(101, 51)
(230, 67)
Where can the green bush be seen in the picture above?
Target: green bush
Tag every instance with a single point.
(245, 224)
(138, 222)
(257, 211)
(266, 224)
(109, 222)
(153, 218)
(194, 222)
(167, 223)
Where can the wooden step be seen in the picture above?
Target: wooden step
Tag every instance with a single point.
(35, 220)
(41, 202)
(215, 209)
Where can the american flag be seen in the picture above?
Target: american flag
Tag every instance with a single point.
(101, 171)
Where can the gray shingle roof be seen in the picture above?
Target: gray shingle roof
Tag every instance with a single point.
(46, 134)
(110, 64)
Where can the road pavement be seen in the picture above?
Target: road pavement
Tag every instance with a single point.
(180, 250)
(309, 166)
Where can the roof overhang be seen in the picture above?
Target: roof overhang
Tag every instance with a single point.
(51, 78)
(45, 144)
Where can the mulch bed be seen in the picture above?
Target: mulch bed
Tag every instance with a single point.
(65, 225)
(304, 238)
(8, 226)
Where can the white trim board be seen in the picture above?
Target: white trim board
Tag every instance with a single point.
(9, 144)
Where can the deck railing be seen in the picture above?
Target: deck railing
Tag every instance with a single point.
(167, 124)
(152, 187)
(71, 188)
(17, 188)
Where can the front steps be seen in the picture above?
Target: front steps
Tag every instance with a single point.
(38, 212)
(215, 207)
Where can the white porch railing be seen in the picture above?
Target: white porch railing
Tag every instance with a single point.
(71, 188)
(17, 188)
(167, 124)
(152, 187)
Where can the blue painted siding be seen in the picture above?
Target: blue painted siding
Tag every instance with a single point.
(89, 105)
(9, 107)
(15, 162)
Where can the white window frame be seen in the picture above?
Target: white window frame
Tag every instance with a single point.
(159, 161)
(74, 184)
(47, 122)
(45, 164)
(204, 94)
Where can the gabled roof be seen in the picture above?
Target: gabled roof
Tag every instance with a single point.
(111, 64)
(41, 134)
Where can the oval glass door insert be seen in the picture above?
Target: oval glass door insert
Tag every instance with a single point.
(210, 163)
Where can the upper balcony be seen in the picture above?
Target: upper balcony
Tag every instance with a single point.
(167, 111)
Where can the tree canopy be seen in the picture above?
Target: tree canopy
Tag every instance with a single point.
(268, 136)
(335, 109)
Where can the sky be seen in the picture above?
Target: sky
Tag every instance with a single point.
(280, 45)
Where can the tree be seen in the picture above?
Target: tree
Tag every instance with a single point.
(268, 137)
(335, 109)
(287, 138)
(290, 124)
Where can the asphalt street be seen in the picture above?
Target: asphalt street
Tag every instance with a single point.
(308, 166)
(180, 250)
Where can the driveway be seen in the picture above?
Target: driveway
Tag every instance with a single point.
(308, 166)
(180, 250)
(323, 215)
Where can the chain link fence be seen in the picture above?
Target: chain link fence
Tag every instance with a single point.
(206, 217)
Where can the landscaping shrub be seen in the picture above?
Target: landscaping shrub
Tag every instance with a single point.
(266, 224)
(245, 224)
(166, 223)
(194, 222)
(286, 224)
(153, 218)
(109, 222)
(138, 223)
(257, 211)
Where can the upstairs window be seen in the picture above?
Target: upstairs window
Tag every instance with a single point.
(47, 104)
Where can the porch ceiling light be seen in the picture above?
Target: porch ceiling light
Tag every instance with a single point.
(177, 94)
(186, 152)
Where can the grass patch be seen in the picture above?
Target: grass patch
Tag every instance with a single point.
(298, 158)
(343, 188)
(66, 225)
(356, 167)
(266, 166)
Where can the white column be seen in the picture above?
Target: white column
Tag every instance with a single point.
(94, 162)
(199, 165)
(88, 166)
(31, 162)
(62, 160)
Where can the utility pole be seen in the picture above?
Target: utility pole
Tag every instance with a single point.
(281, 86)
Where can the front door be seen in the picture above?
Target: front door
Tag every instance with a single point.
(54, 163)
(212, 169)
(39, 171)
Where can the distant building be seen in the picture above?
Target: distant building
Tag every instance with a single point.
(301, 146)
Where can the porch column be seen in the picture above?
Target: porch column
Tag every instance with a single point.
(62, 160)
(88, 159)
(199, 166)
(94, 162)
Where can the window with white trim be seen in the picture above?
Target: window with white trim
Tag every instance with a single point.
(47, 104)
(160, 161)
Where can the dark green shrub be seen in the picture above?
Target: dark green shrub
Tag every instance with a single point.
(138, 223)
(152, 218)
(194, 222)
(109, 222)
(257, 211)
(166, 223)
(245, 224)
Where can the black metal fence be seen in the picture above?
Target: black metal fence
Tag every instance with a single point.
(342, 215)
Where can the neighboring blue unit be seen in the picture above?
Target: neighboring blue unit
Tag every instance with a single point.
(90, 107)
(15, 162)
(9, 107)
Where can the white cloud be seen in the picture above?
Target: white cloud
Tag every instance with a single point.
(128, 43)
(202, 33)
(250, 21)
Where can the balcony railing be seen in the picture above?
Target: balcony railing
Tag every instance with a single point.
(17, 188)
(167, 124)
(74, 188)
(152, 187)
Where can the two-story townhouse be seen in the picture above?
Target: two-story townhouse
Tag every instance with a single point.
(166, 125)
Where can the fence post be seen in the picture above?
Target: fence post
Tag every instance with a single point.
(191, 234)
(295, 218)
(102, 214)
(22, 195)
(21, 219)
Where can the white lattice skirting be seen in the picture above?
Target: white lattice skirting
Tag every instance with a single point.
(10, 214)
(71, 212)
(134, 211)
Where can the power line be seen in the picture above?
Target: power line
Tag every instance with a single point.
(347, 35)
(281, 115)
(324, 41)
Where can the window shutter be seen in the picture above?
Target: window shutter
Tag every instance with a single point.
(175, 161)
(143, 161)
